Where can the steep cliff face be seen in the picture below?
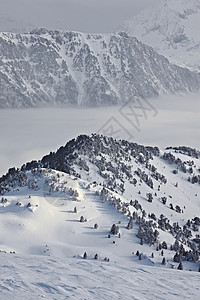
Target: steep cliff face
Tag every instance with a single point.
(54, 67)
(171, 28)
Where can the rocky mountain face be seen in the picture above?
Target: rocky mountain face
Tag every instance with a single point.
(53, 67)
(157, 190)
(171, 28)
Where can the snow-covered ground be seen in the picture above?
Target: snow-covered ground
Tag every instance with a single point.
(44, 277)
(42, 249)
(29, 134)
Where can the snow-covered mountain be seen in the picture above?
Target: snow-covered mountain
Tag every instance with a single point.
(70, 200)
(54, 67)
(82, 218)
(171, 28)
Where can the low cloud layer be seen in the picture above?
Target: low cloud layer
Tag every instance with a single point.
(30, 134)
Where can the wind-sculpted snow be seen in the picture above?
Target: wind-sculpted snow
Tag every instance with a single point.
(35, 277)
(54, 67)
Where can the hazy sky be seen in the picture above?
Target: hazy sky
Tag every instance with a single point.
(81, 15)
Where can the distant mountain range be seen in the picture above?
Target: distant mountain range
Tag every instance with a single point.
(54, 67)
(171, 27)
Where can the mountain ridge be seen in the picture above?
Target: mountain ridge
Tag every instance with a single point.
(55, 67)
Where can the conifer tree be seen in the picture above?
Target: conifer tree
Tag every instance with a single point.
(180, 266)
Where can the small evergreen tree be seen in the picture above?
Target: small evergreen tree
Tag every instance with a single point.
(137, 253)
(164, 245)
(114, 229)
(95, 226)
(177, 257)
(164, 200)
(82, 219)
(130, 223)
(96, 256)
(149, 197)
(180, 266)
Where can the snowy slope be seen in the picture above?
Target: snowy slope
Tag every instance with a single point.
(55, 67)
(171, 28)
(44, 277)
(42, 237)
(112, 183)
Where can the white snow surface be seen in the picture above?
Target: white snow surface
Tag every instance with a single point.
(44, 277)
(42, 247)
(171, 28)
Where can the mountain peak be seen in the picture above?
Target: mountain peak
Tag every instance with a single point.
(170, 27)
